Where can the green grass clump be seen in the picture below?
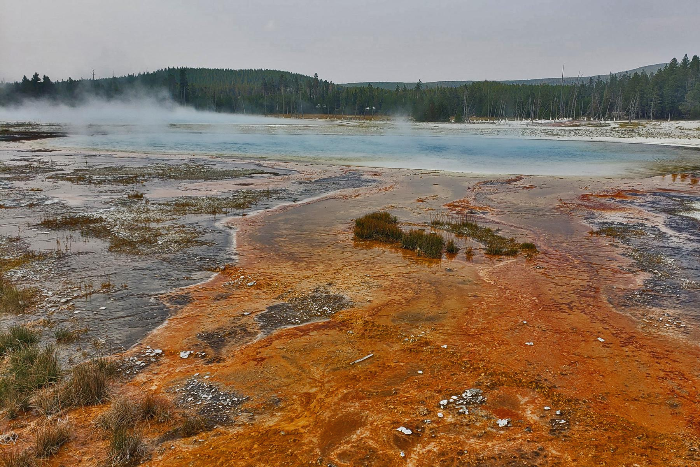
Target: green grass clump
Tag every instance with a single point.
(29, 368)
(50, 437)
(17, 337)
(429, 245)
(380, 226)
(14, 300)
(451, 248)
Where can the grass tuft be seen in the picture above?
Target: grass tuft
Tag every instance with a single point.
(88, 382)
(451, 248)
(29, 369)
(380, 226)
(193, 424)
(126, 448)
(50, 437)
(17, 337)
(429, 245)
(14, 300)
(15, 458)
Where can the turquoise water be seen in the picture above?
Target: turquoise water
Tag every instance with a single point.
(404, 145)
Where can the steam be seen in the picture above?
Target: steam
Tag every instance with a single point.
(136, 107)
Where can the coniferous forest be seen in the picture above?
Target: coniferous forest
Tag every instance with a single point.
(671, 93)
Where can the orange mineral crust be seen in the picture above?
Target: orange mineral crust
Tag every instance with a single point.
(353, 353)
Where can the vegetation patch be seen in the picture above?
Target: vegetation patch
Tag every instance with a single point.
(126, 448)
(424, 244)
(128, 175)
(15, 300)
(619, 231)
(380, 226)
(50, 437)
(495, 244)
(17, 337)
(383, 227)
(17, 458)
(28, 369)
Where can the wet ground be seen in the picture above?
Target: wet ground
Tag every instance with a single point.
(115, 232)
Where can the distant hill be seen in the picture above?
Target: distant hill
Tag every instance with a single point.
(391, 85)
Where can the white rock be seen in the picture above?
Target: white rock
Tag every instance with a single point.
(103, 308)
(403, 454)
(444, 346)
(185, 353)
(546, 407)
(503, 422)
(529, 343)
(420, 372)
(443, 402)
(440, 415)
(601, 339)
(404, 430)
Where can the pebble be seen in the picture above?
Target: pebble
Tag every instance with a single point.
(601, 339)
(185, 353)
(404, 430)
(529, 343)
(503, 422)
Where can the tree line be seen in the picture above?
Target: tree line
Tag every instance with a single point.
(671, 93)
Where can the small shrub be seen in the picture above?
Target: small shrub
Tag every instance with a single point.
(380, 226)
(16, 337)
(122, 414)
(50, 437)
(451, 248)
(126, 448)
(17, 458)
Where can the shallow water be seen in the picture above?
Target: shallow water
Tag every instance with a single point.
(382, 144)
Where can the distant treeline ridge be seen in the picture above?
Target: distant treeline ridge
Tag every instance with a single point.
(671, 93)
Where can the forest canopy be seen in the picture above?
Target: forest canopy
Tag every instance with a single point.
(673, 92)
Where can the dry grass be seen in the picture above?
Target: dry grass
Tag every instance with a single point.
(127, 411)
(126, 448)
(16, 458)
(50, 437)
(193, 424)
(88, 383)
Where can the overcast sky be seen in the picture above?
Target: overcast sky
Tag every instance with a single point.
(348, 40)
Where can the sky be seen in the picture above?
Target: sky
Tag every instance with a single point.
(348, 40)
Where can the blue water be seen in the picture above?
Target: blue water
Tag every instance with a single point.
(383, 145)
